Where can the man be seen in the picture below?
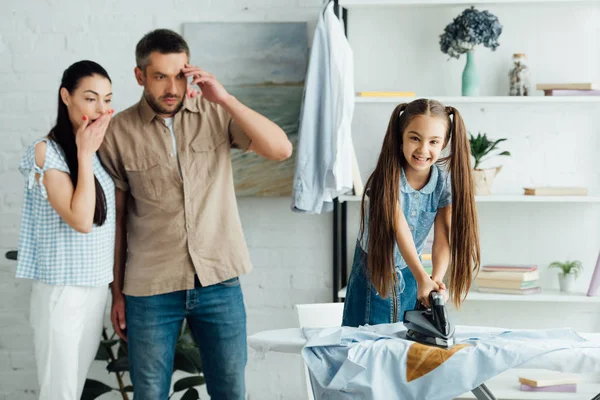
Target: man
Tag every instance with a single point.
(178, 226)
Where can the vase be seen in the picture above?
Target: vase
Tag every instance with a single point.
(483, 179)
(565, 282)
(470, 78)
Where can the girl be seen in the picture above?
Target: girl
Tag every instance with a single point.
(67, 233)
(408, 193)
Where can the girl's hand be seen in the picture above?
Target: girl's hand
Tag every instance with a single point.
(89, 137)
(424, 288)
(442, 287)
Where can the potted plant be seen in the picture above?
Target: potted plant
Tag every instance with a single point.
(470, 29)
(481, 150)
(187, 359)
(569, 271)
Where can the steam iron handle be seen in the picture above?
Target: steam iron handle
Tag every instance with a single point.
(436, 298)
(440, 314)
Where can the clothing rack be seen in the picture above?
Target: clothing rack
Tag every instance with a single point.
(340, 210)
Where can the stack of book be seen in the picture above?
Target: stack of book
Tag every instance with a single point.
(549, 381)
(508, 279)
(569, 89)
(555, 191)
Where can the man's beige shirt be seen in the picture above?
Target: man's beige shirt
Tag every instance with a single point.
(182, 215)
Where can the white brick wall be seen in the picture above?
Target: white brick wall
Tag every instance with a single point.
(36, 43)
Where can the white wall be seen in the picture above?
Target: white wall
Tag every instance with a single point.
(397, 44)
(292, 253)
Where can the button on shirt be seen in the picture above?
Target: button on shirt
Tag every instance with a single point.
(182, 216)
(420, 208)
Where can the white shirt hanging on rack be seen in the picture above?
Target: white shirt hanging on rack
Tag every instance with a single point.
(324, 152)
(341, 75)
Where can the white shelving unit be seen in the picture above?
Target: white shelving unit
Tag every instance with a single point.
(453, 100)
(504, 387)
(510, 198)
(546, 296)
(399, 3)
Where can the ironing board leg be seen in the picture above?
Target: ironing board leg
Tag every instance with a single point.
(481, 392)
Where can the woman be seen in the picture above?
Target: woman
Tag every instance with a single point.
(67, 232)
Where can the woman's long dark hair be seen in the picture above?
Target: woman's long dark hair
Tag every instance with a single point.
(62, 133)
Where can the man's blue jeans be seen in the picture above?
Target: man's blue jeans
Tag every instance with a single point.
(217, 318)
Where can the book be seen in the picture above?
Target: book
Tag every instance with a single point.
(528, 291)
(386, 94)
(570, 388)
(595, 282)
(568, 86)
(542, 378)
(510, 276)
(505, 284)
(509, 268)
(562, 92)
(556, 191)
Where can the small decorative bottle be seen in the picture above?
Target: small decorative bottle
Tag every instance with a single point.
(519, 76)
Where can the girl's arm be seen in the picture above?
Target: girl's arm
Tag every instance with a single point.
(440, 256)
(408, 250)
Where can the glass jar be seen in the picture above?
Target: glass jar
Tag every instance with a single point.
(519, 76)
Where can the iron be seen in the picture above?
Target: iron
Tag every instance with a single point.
(430, 326)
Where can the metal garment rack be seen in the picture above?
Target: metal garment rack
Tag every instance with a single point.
(340, 247)
(340, 211)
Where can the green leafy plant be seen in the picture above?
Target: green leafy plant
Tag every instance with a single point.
(187, 359)
(568, 267)
(482, 147)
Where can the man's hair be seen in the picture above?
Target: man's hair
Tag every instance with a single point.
(164, 41)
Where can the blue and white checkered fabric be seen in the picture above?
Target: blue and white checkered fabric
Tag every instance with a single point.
(49, 249)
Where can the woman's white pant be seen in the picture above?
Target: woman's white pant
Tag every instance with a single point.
(67, 325)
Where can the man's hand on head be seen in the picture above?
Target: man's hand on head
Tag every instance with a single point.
(211, 89)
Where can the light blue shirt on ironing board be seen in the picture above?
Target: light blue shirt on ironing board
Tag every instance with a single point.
(420, 208)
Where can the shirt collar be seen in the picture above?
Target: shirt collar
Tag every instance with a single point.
(428, 188)
(148, 114)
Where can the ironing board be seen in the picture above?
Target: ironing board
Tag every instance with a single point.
(292, 341)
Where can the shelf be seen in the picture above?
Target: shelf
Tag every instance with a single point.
(485, 99)
(505, 386)
(516, 198)
(400, 3)
(547, 295)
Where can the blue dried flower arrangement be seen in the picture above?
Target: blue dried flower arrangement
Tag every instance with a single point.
(471, 28)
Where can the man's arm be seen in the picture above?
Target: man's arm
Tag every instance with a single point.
(118, 306)
(267, 138)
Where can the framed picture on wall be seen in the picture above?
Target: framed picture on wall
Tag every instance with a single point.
(263, 64)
